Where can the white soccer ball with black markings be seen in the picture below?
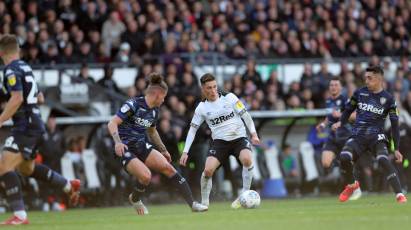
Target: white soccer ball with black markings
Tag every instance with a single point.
(250, 199)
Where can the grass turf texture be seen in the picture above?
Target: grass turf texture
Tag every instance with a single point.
(370, 212)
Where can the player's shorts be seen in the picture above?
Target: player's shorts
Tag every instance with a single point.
(24, 144)
(334, 145)
(140, 150)
(377, 144)
(221, 149)
(336, 142)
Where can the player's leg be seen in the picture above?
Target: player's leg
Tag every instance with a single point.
(389, 170)
(212, 163)
(43, 173)
(348, 156)
(157, 162)
(246, 160)
(327, 158)
(10, 182)
(139, 170)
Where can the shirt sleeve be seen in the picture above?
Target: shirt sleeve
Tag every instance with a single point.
(349, 107)
(127, 110)
(13, 80)
(238, 106)
(198, 118)
(395, 131)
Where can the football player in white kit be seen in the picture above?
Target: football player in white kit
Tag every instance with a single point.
(224, 114)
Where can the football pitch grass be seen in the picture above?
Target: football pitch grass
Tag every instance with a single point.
(370, 212)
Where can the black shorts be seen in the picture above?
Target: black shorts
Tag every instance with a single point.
(24, 144)
(358, 145)
(139, 150)
(334, 145)
(221, 149)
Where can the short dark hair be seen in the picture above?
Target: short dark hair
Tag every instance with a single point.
(336, 78)
(375, 69)
(206, 78)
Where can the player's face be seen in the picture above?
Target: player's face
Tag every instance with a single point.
(373, 80)
(210, 90)
(335, 88)
(160, 97)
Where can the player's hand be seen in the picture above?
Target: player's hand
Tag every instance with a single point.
(254, 139)
(320, 127)
(167, 155)
(398, 156)
(336, 114)
(120, 148)
(336, 125)
(183, 159)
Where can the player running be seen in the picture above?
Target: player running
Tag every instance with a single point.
(336, 139)
(223, 113)
(372, 104)
(133, 129)
(26, 134)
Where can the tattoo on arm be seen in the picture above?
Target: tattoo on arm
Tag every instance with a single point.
(116, 137)
(155, 138)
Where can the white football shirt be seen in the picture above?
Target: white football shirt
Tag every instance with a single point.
(222, 116)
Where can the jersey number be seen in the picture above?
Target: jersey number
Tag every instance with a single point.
(381, 137)
(32, 97)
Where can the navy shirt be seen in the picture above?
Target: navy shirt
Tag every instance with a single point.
(372, 110)
(137, 117)
(18, 76)
(337, 104)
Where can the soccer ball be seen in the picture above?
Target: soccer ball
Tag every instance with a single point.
(250, 199)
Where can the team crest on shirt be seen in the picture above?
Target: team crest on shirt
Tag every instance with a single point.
(125, 108)
(338, 102)
(12, 80)
(383, 100)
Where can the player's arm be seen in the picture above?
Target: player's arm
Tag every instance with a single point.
(348, 110)
(40, 98)
(240, 109)
(194, 125)
(155, 139)
(112, 126)
(12, 105)
(322, 125)
(395, 131)
(126, 110)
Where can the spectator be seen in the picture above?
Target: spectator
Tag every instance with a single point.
(111, 32)
(252, 74)
(84, 76)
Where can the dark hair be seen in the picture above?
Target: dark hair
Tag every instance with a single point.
(156, 80)
(206, 78)
(335, 79)
(375, 69)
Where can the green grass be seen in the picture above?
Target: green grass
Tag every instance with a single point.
(371, 212)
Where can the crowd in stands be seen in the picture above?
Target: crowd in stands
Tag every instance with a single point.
(70, 31)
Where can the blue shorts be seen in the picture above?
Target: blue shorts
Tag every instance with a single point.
(140, 150)
(24, 144)
(358, 145)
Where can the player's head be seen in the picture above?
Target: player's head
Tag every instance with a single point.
(374, 77)
(209, 86)
(9, 46)
(156, 89)
(334, 86)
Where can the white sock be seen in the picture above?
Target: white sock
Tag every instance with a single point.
(247, 177)
(206, 185)
(21, 214)
(67, 188)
